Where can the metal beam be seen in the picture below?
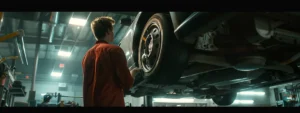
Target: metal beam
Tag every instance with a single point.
(22, 43)
(127, 13)
(148, 101)
(54, 23)
(31, 40)
(32, 93)
(37, 49)
(47, 49)
(30, 16)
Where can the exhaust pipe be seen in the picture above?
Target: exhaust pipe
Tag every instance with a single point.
(253, 63)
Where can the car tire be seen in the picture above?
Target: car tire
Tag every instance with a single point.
(225, 100)
(172, 54)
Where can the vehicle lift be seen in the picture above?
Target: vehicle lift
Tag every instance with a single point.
(148, 101)
(10, 88)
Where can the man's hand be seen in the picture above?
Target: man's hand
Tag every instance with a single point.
(136, 71)
(138, 75)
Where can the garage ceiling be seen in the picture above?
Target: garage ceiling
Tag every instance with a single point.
(77, 39)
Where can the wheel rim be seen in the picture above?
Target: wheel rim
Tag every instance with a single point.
(150, 47)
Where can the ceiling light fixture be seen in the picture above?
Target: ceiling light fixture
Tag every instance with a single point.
(77, 21)
(251, 93)
(64, 53)
(243, 102)
(56, 74)
(166, 100)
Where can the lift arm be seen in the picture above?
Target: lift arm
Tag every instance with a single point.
(19, 34)
(11, 35)
(8, 58)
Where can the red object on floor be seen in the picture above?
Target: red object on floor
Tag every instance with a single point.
(3, 82)
(27, 77)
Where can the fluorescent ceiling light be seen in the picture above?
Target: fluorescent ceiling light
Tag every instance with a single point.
(56, 74)
(64, 53)
(243, 102)
(43, 94)
(77, 21)
(251, 93)
(289, 98)
(166, 100)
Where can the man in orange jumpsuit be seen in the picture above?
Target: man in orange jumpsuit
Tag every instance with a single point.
(105, 69)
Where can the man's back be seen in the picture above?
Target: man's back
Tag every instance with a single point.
(105, 76)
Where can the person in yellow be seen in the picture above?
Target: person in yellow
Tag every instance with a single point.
(62, 104)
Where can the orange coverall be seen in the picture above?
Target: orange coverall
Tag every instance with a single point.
(105, 74)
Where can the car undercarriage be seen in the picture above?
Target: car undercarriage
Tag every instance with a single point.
(239, 52)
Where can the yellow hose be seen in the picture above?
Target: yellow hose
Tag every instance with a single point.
(8, 36)
(8, 58)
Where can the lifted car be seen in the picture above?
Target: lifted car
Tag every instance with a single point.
(211, 55)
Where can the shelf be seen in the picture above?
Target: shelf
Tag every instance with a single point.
(18, 92)
(20, 95)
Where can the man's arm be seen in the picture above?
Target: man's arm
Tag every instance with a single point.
(122, 70)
